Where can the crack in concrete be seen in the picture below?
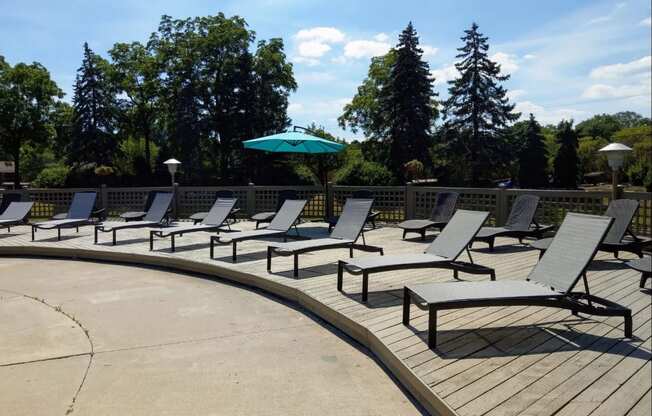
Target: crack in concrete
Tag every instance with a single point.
(41, 360)
(58, 309)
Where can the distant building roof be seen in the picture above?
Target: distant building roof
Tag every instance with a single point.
(7, 166)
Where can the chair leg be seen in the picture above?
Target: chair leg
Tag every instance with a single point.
(423, 234)
(151, 240)
(628, 324)
(404, 232)
(432, 327)
(114, 237)
(95, 241)
(340, 275)
(234, 253)
(644, 277)
(33, 232)
(406, 306)
(212, 249)
(491, 244)
(350, 252)
(365, 286)
(172, 246)
(296, 266)
(58, 234)
(269, 258)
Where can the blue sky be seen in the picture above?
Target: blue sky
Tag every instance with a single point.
(568, 59)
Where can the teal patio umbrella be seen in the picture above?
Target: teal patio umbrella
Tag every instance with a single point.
(293, 142)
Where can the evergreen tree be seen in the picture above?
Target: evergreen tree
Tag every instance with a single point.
(407, 99)
(533, 160)
(478, 110)
(566, 163)
(95, 112)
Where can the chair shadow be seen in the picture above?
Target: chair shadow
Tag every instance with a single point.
(181, 247)
(606, 265)
(55, 239)
(506, 249)
(9, 234)
(486, 341)
(377, 299)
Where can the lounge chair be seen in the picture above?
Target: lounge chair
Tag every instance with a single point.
(441, 253)
(7, 199)
(550, 283)
(139, 215)
(15, 214)
(359, 194)
(441, 213)
(643, 265)
(616, 240)
(267, 217)
(212, 222)
(79, 213)
(347, 230)
(198, 217)
(153, 218)
(285, 218)
(520, 223)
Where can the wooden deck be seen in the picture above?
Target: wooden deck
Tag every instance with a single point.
(489, 361)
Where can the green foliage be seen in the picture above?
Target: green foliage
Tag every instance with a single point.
(407, 100)
(589, 156)
(357, 171)
(27, 97)
(34, 158)
(478, 111)
(52, 177)
(95, 112)
(639, 166)
(606, 125)
(533, 161)
(566, 163)
(133, 160)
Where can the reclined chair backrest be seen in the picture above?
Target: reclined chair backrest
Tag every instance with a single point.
(444, 206)
(522, 213)
(570, 251)
(16, 211)
(82, 205)
(219, 211)
(622, 211)
(284, 195)
(7, 199)
(352, 220)
(159, 207)
(287, 214)
(457, 234)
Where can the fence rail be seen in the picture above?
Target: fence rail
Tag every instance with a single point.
(395, 203)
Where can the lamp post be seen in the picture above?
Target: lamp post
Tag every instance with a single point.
(172, 165)
(616, 153)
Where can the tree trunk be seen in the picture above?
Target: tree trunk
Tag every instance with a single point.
(16, 155)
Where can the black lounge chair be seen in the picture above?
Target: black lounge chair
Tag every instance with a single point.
(15, 214)
(139, 215)
(643, 265)
(267, 217)
(550, 283)
(7, 199)
(78, 214)
(198, 217)
(441, 213)
(219, 212)
(347, 230)
(285, 218)
(520, 223)
(153, 218)
(441, 253)
(359, 194)
(616, 240)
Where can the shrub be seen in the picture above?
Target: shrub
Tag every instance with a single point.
(364, 173)
(52, 177)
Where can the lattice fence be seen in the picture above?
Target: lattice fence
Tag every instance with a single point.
(642, 223)
(266, 199)
(48, 202)
(119, 200)
(475, 199)
(388, 200)
(554, 205)
(191, 199)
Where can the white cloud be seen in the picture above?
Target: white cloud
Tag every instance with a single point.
(312, 49)
(617, 71)
(444, 74)
(429, 50)
(601, 19)
(306, 61)
(507, 62)
(529, 56)
(321, 34)
(547, 115)
(357, 49)
(315, 77)
(318, 110)
(646, 22)
(514, 94)
(381, 37)
(603, 91)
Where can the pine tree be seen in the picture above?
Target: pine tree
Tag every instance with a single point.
(533, 160)
(478, 110)
(95, 113)
(408, 102)
(566, 162)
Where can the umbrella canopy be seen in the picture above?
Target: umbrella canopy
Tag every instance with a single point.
(293, 142)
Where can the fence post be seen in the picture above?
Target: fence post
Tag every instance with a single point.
(104, 198)
(410, 201)
(329, 200)
(175, 199)
(501, 207)
(251, 199)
